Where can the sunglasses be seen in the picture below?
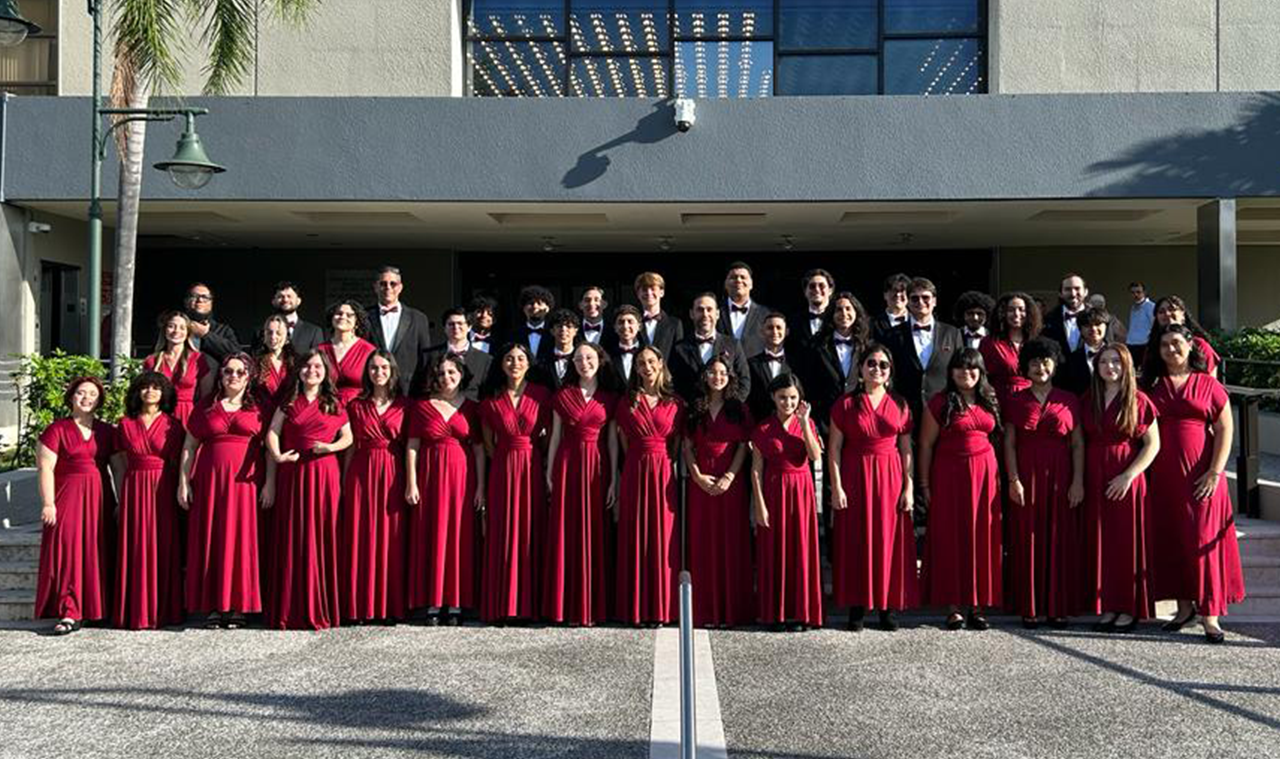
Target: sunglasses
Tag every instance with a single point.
(872, 363)
(235, 372)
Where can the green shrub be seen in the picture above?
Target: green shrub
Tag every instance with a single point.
(41, 382)
(1252, 345)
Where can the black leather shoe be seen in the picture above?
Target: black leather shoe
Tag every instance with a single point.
(432, 620)
(955, 621)
(977, 622)
(857, 615)
(1059, 623)
(1176, 624)
(888, 622)
(1107, 626)
(1215, 637)
(1127, 627)
(453, 619)
(1030, 623)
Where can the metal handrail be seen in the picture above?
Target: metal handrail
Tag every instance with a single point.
(688, 690)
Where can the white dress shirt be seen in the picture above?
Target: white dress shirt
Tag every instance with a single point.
(593, 332)
(292, 321)
(627, 356)
(894, 320)
(390, 318)
(562, 361)
(923, 340)
(973, 339)
(844, 352)
(775, 362)
(650, 325)
(706, 349)
(479, 343)
(815, 322)
(737, 320)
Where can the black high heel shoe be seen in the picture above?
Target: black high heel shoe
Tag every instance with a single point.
(1127, 627)
(888, 622)
(955, 621)
(977, 622)
(1175, 624)
(1215, 637)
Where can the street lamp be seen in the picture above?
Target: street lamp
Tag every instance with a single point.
(13, 27)
(190, 168)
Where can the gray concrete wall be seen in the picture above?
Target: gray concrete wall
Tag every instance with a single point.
(890, 148)
(382, 48)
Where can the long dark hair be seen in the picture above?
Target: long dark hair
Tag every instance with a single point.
(428, 381)
(1153, 366)
(700, 411)
(247, 401)
(861, 324)
(328, 395)
(860, 388)
(635, 388)
(1153, 342)
(287, 355)
(1031, 326)
(984, 395)
(362, 319)
(606, 378)
(133, 397)
(495, 381)
(366, 384)
(157, 355)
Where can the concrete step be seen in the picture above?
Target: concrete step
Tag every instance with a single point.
(1261, 571)
(1263, 600)
(1258, 537)
(20, 545)
(16, 604)
(18, 575)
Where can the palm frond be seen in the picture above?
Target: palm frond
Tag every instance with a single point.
(149, 34)
(293, 11)
(230, 36)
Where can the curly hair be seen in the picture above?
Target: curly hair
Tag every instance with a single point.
(133, 396)
(734, 408)
(70, 393)
(1031, 326)
(1153, 365)
(362, 319)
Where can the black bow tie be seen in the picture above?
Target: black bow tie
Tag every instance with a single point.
(705, 340)
(972, 335)
(629, 351)
(592, 327)
(921, 327)
(898, 320)
(653, 317)
(1069, 317)
(458, 355)
(739, 309)
(775, 359)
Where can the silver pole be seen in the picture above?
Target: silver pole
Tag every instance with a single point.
(688, 724)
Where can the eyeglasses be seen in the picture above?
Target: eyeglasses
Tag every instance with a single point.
(389, 285)
(922, 298)
(200, 297)
(229, 372)
(872, 363)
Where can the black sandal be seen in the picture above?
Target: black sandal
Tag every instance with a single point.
(234, 622)
(66, 626)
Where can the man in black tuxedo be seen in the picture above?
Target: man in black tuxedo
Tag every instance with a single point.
(660, 329)
(742, 317)
(592, 307)
(626, 342)
(483, 312)
(768, 364)
(973, 313)
(830, 365)
(691, 354)
(895, 310)
(1076, 372)
(563, 325)
(215, 339)
(922, 347)
(1060, 323)
(535, 303)
(303, 335)
(457, 328)
(805, 324)
(397, 328)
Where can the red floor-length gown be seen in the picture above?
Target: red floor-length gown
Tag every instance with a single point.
(1046, 552)
(1117, 577)
(148, 588)
(962, 560)
(516, 504)
(185, 386)
(74, 578)
(719, 527)
(304, 552)
(372, 519)
(348, 375)
(442, 534)
(874, 544)
(222, 528)
(648, 555)
(1193, 549)
(788, 568)
(1000, 356)
(573, 587)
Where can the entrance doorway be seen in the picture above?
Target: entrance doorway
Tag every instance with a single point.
(60, 308)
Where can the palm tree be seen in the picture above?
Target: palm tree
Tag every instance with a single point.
(150, 38)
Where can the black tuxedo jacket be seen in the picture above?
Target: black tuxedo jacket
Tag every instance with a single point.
(412, 338)
(799, 336)
(306, 337)
(670, 330)
(823, 379)
(751, 341)
(1056, 329)
(476, 361)
(615, 361)
(219, 342)
(759, 401)
(1074, 374)
(881, 327)
(916, 383)
(521, 335)
(545, 370)
(607, 335)
(686, 366)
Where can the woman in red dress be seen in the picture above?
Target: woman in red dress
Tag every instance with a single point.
(869, 442)
(184, 366)
(579, 488)
(445, 459)
(1017, 321)
(647, 421)
(371, 522)
(1173, 310)
(1192, 532)
(218, 484)
(75, 549)
(717, 517)
(785, 511)
(1044, 464)
(303, 489)
(148, 445)
(514, 413)
(274, 364)
(347, 349)
(1121, 441)
(962, 561)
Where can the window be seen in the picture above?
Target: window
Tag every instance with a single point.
(724, 48)
(32, 67)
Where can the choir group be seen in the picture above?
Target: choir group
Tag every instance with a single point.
(356, 474)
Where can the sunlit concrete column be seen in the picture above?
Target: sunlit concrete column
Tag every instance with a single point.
(1216, 263)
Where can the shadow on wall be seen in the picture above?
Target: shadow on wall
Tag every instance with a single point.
(1241, 160)
(593, 164)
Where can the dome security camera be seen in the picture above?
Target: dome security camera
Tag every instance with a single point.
(685, 114)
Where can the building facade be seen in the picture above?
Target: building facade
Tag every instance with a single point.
(481, 144)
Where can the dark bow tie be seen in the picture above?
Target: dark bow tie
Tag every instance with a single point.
(705, 340)
(778, 359)
(739, 309)
(389, 310)
(1069, 317)
(897, 320)
(921, 327)
(633, 350)
(458, 355)
(593, 327)
(653, 317)
(972, 335)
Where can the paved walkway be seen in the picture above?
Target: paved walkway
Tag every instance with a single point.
(536, 692)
